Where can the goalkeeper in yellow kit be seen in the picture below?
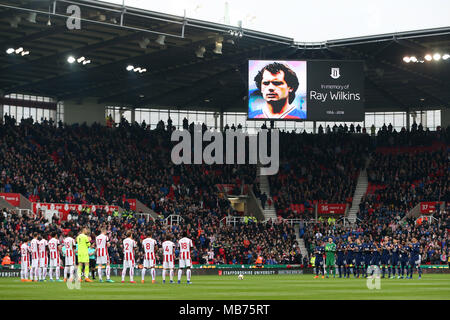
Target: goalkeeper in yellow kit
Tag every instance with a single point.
(83, 242)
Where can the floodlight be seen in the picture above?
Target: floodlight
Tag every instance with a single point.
(10, 50)
(406, 59)
(19, 50)
(428, 57)
(14, 21)
(413, 59)
(144, 43)
(200, 52)
(160, 40)
(32, 17)
(130, 67)
(218, 48)
(81, 59)
(70, 59)
(445, 56)
(437, 56)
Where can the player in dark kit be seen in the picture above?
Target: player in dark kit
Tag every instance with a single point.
(385, 256)
(376, 257)
(367, 254)
(404, 258)
(340, 257)
(414, 260)
(395, 259)
(359, 259)
(349, 258)
(319, 251)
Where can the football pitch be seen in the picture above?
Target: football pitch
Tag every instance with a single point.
(260, 287)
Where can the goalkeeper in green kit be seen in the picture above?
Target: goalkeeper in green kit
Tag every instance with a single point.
(330, 250)
(83, 242)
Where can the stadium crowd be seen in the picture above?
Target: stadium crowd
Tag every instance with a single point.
(101, 165)
(317, 168)
(98, 165)
(214, 243)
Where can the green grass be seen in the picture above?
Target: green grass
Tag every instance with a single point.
(264, 287)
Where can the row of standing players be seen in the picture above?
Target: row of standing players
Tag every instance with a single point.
(363, 258)
(36, 267)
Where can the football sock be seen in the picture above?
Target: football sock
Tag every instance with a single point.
(188, 275)
(108, 272)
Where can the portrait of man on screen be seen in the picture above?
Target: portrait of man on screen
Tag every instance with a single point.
(277, 84)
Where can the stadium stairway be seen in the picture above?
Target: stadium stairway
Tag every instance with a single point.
(413, 213)
(140, 207)
(301, 242)
(269, 213)
(25, 203)
(360, 190)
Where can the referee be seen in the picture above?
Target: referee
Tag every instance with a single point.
(92, 257)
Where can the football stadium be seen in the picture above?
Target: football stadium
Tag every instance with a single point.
(151, 156)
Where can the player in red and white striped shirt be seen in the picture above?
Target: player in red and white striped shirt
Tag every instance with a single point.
(128, 256)
(34, 248)
(69, 266)
(169, 256)
(150, 248)
(102, 242)
(185, 245)
(43, 258)
(55, 261)
(25, 261)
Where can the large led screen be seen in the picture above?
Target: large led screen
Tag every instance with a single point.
(305, 90)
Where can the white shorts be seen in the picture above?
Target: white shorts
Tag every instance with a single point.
(54, 262)
(35, 263)
(419, 261)
(128, 263)
(149, 263)
(43, 262)
(103, 260)
(168, 265)
(185, 263)
(70, 261)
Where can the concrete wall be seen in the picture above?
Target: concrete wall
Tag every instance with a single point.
(253, 206)
(88, 111)
(445, 117)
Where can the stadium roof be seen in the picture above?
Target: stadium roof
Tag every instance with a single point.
(113, 37)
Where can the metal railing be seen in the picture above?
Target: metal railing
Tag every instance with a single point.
(22, 212)
(237, 219)
(293, 221)
(429, 218)
(231, 220)
(146, 216)
(346, 221)
(173, 219)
